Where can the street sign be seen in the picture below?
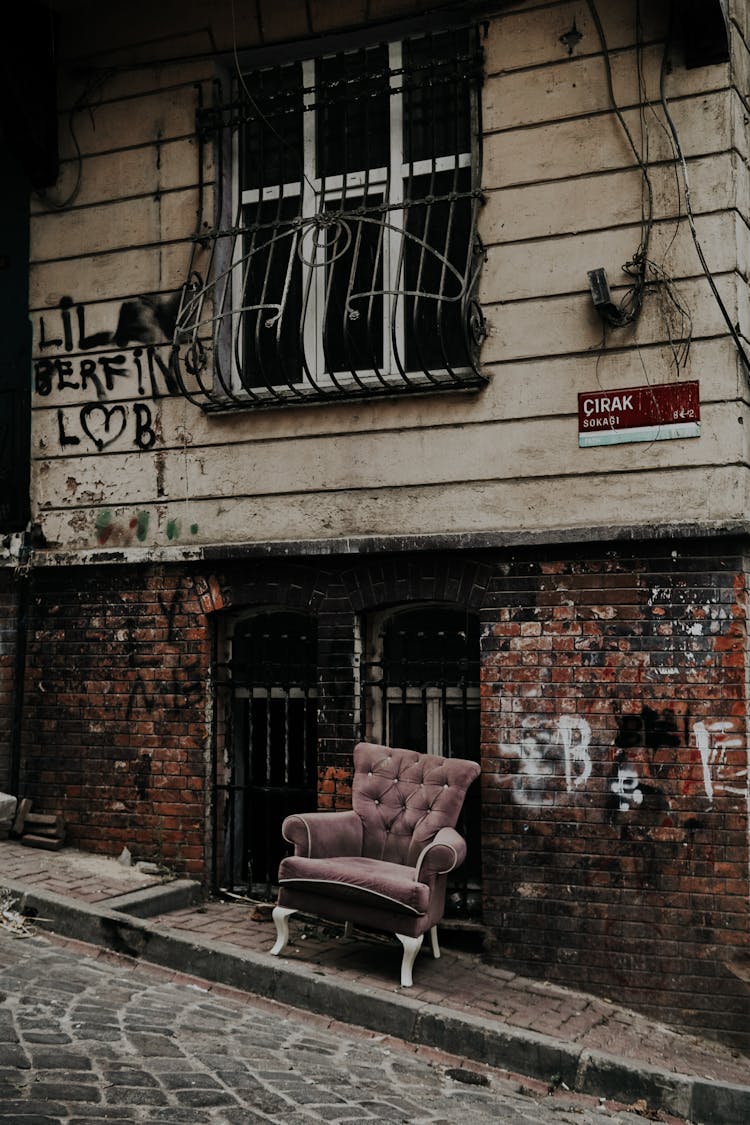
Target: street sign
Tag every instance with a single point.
(655, 413)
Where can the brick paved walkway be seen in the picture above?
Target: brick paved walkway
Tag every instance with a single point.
(463, 982)
(87, 878)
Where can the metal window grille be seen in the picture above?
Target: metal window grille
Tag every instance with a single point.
(351, 263)
(420, 690)
(269, 766)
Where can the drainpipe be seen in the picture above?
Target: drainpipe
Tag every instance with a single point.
(23, 601)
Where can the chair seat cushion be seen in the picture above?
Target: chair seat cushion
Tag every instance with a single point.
(358, 880)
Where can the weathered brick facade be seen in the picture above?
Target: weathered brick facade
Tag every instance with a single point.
(8, 634)
(115, 710)
(615, 847)
(613, 737)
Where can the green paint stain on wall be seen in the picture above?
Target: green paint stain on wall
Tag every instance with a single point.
(142, 525)
(173, 529)
(104, 526)
(193, 528)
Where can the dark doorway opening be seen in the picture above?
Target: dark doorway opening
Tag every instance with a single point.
(269, 766)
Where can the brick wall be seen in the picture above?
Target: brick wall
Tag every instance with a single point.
(115, 729)
(8, 624)
(614, 751)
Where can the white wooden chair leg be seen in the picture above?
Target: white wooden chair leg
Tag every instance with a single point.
(411, 945)
(281, 915)
(434, 941)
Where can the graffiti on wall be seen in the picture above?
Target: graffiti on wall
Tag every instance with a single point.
(136, 358)
(656, 756)
(553, 756)
(146, 690)
(626, 788)
(715, 743)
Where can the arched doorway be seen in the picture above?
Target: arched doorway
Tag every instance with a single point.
(269, 766)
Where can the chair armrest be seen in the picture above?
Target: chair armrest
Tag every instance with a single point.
(447, 850)
(324, 834)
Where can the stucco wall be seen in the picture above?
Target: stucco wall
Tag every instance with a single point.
(120, 461)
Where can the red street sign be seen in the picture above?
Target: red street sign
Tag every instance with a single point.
(657, 413)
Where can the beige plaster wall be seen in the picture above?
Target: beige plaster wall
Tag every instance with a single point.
(120, 462)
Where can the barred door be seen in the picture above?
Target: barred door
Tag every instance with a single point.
(420, 684)
(270, 769)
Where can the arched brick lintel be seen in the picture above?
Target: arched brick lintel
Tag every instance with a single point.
(396, 580)
(291, 586)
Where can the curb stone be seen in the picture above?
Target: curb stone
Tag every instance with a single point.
(161, 898)
(519, 1050)
(497, 1044)
(725, 1103)
(604, 1076)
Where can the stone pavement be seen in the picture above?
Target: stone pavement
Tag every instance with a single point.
(458, 1003)
(88, 1037)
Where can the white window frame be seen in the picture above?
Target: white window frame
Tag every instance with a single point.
(434, 698)
(316, 191)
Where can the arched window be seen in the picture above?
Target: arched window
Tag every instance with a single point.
(422, 681)
(420, 686)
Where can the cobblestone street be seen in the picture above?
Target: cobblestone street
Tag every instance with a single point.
(87, 1040)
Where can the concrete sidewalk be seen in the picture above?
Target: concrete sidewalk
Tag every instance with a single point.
(458, 1003)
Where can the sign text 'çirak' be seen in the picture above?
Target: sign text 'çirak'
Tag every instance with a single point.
(657, 413)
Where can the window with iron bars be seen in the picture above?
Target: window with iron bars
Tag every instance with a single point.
(420, 690)
(352, 265)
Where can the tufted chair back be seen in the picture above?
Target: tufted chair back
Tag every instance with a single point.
(404, 798)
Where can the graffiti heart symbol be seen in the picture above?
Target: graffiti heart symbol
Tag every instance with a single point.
(102, 430)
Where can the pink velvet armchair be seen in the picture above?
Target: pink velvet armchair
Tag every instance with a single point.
(384, 863)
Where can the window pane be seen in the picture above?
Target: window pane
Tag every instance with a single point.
(373, 278)
(406, 726)
(353, 330)
(462, 732)
(352, 103)
(437, 103)
(275, 648)
(272, 147)
(437, 256)
(436, 646)
(272, 295)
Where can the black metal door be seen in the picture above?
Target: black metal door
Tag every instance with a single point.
(270, 768)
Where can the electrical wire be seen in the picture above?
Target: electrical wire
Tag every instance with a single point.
(646, 273)
(83, 101)
(629, 308)
(259, 112)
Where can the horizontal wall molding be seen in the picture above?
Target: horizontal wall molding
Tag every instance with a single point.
(388, 544)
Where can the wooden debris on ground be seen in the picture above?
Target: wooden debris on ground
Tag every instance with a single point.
(39, 830)
(11, 919)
